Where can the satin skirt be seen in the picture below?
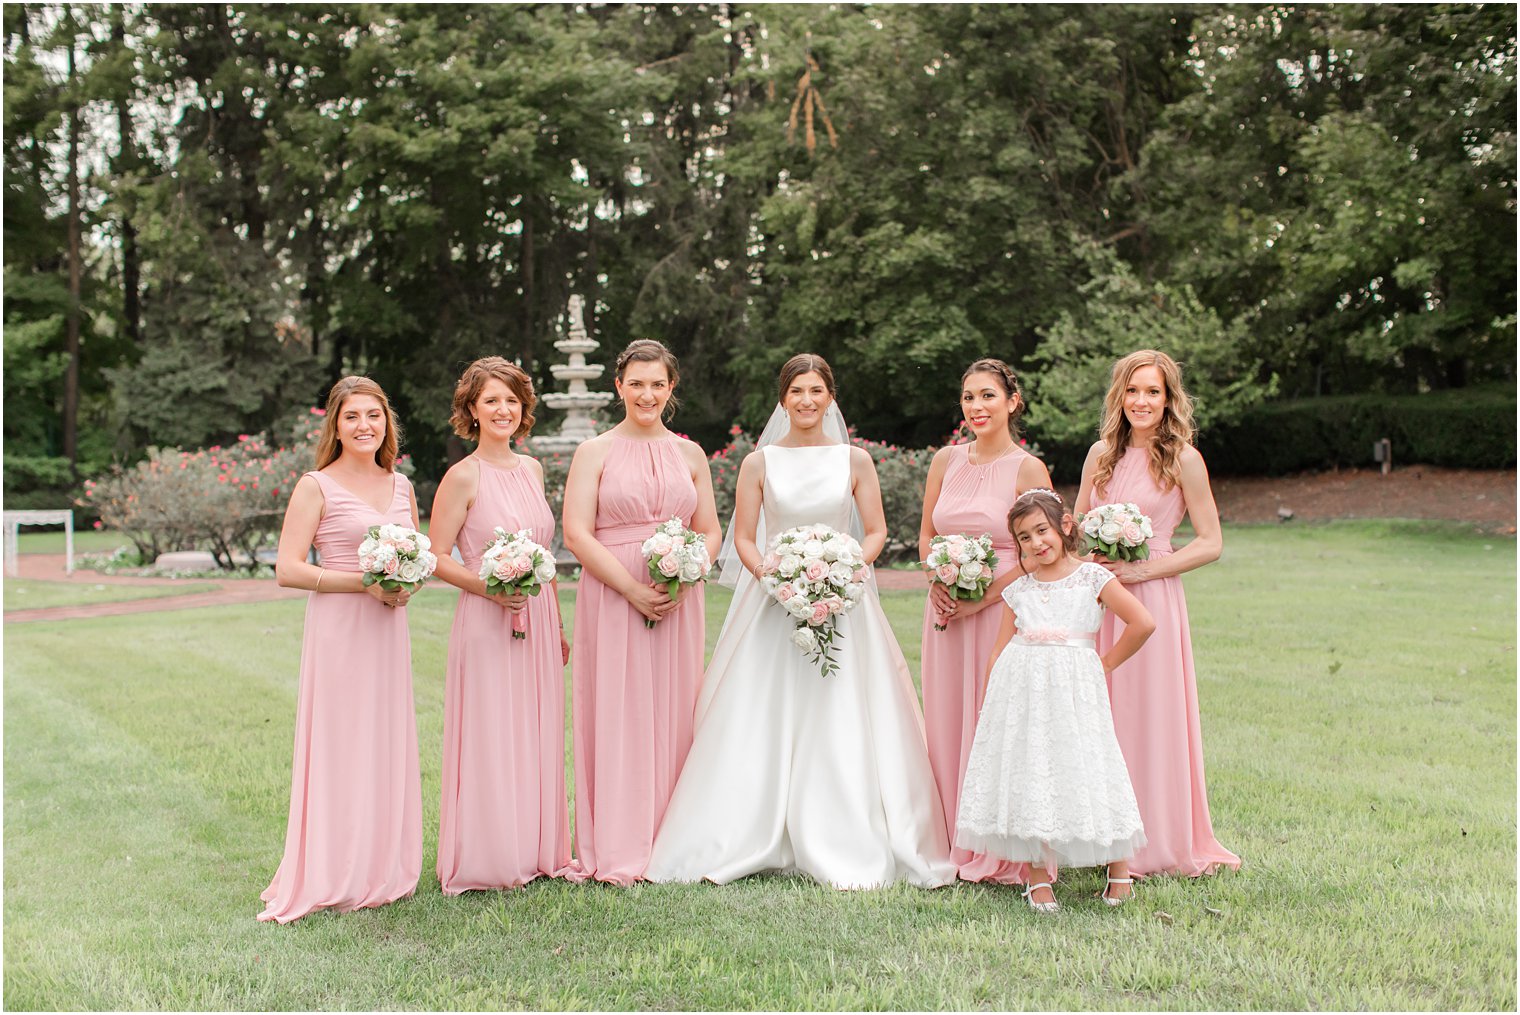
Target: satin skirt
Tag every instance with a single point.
(794, 772)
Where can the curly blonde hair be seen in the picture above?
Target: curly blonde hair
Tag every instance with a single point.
(1175, 431)
(474, 379)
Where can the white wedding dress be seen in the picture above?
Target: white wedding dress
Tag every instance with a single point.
(791, 771)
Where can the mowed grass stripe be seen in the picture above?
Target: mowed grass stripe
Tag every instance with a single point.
(166, 739)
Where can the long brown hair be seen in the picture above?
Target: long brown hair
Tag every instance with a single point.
(1173, 433)
(1047, 503)
(474, 379)
(802, 363)
(647, 350)
(328, 448)
(1010, 382)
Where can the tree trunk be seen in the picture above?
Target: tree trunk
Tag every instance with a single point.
(71, 331)
(527, 287)
(131, 261)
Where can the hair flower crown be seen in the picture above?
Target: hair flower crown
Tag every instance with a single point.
(1039, 489)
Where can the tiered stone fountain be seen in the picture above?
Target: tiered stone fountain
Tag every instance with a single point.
(578, 400)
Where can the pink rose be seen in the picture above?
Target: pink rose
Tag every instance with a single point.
(660, 544)
(859, 576)
(835, 604)
(770, 563)
(1132, 534)
(669, 565)
(947, 573)
(986, 571)
(816, 570)
(503, 570)
(391, 565)
(785, 591)
(820, 612)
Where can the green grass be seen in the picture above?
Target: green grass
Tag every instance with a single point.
(29, 594)
(85, 541)
(1357, 682)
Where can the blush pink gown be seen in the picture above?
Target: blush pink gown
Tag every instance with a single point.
(353, 837)
(1155, 698)
(503, 816)
(974, 499)
(634, 689)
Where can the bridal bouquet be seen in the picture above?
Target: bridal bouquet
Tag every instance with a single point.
(675, 556)
(963, 564)
(816, 574)
(513, 564)
(396, 556)
(1118, 531)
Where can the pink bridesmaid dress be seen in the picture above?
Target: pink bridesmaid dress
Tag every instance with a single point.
(634, 689)
(503, 818)
(353, 837)
(1155, 698)
(974, 499)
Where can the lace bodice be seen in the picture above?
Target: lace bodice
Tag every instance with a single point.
(1068, 607)
(807, 486)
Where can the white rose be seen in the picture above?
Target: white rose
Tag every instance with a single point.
(691, 570)
(970, 573)
(423, 542)
(1145, 527)
(1109, 532)
(812, 548)
(545, 571)
(790, 565)
(409, 571)
(854, 591)
(799, 607)
(804, 638)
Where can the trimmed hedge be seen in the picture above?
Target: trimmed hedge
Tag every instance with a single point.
(1471, 428)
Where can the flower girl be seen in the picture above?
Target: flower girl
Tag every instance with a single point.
(1045, 780)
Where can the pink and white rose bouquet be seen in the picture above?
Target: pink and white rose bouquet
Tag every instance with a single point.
(513, 564)
(817, 574)
(675, 556)
(396, 556)
(1118, 531)
(965, 565)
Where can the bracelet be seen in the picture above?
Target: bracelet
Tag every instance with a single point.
(320, 572)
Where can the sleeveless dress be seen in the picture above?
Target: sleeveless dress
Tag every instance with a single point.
(1046, 781)
(633, 687)
(973, 499)
(353, 837)
(792, 771)
(503, 816)
(1155, 698)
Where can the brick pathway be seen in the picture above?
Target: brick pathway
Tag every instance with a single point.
(50, 567)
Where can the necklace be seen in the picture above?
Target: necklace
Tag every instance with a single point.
(994, 458)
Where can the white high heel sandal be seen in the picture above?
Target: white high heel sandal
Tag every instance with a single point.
(1117, 902)
(1041, 907)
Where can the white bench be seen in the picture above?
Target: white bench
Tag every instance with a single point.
(13, 521)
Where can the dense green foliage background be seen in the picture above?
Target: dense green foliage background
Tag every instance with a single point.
(1299, 201)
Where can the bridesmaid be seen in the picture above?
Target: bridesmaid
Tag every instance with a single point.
(970, 489)
(634, 688)
(1145, 455)
(503, 817)
(354, 833)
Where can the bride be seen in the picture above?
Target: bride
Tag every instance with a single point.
(791, 771)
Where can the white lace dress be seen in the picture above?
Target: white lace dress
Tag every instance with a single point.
(1045, 781)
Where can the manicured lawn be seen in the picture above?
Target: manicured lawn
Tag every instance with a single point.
(85, 541)
(1357, 682)
(28, 594)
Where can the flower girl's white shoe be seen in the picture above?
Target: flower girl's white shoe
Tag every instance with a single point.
(1109, 900)
(1040, 907)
